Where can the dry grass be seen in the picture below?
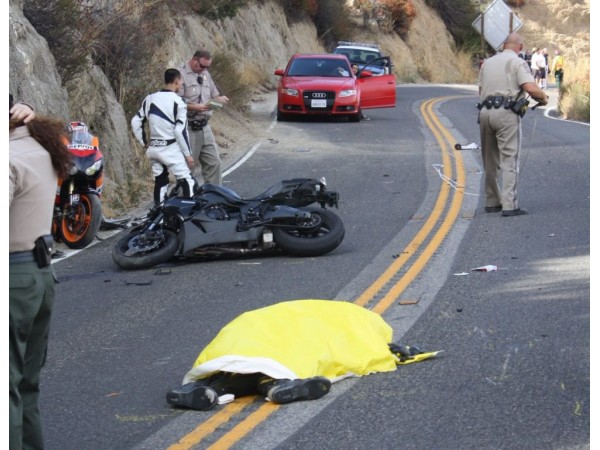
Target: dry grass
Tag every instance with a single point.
(235, 80)
(468, 67)
(574, 103)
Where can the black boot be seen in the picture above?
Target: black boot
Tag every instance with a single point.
(194, 396)
(286, 391)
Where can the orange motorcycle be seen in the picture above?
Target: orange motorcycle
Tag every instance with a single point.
(77, 207)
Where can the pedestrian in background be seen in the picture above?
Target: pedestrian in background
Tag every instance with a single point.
(197, 89)
(37, 157)
(503, 81)
(558, 68)
(538, 66)
(546, 66)
(528, 58)
(168, 148)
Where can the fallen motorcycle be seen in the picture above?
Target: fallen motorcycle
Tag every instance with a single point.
(218, 222)
(77, 206)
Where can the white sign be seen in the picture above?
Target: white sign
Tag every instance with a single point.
(496, 23)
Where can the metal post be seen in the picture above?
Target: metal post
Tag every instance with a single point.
(482, 36)
(510, 26)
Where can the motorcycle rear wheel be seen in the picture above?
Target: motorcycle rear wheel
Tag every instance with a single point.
(325, 234)
(80, 223)
(139, 250)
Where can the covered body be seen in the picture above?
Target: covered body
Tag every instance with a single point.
(300, 339)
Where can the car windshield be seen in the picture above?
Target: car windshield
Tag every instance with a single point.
(361, 56)
(319, 67)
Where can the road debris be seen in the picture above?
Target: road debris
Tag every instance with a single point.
(137, 283)
(471, 146)
(488, 268)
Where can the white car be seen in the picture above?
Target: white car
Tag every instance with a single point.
(366, 56)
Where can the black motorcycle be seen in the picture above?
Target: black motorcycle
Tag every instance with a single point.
(217, 222)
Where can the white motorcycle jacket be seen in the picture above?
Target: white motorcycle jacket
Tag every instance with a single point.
(166, 114)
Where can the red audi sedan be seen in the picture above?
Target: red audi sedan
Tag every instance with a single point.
(323, 84)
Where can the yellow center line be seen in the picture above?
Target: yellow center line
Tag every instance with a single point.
(245, 426)
(421, 236)
(205, 428)
(449, 219)
(265, 410)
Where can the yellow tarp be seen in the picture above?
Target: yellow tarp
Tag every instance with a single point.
(300, 339)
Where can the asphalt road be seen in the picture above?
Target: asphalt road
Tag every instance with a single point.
(515, 368)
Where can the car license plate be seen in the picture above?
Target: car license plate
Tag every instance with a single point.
(74, 199)
(318, 103)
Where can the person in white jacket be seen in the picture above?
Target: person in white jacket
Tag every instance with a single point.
(538, 67)
(168, 148)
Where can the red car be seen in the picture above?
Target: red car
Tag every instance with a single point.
(323, 84)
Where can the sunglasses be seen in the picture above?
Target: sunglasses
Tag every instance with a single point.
(202, 66)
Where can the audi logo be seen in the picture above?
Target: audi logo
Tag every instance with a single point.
(319, 95)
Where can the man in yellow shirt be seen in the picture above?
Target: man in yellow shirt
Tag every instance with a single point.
(557, 67)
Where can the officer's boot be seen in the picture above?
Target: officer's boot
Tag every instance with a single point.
(286, 391)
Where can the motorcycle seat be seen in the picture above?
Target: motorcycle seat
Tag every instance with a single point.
(223, 191)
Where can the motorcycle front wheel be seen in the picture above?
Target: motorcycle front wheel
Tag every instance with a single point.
(80, 223)
(322, 235)
(141, 249)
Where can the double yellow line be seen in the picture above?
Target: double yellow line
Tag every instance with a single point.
(424, 244)
(419, 250)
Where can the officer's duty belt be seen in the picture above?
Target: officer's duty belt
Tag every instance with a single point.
(496, 101)
(197, 124)
(161, 142)
(21, 257)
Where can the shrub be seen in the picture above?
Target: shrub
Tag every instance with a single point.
(515, 3)
(216, 9)
(124, 36)
(233, 81)
(458, 15)
(62, 24)
(332, 20)
(293, 7)
(396, 15)
(574, 100)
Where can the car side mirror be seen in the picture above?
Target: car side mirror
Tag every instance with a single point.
(279, 72)
(365, 74)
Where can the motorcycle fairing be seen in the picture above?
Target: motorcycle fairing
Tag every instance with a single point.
(203, 231)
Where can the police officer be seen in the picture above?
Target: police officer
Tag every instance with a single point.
(197, 89)
(169, 146)
(503, 81)
(37, 157)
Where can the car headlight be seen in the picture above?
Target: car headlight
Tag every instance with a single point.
(347, 92)
(93, 168)
(288, 91)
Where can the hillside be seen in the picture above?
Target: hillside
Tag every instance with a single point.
(247, 48)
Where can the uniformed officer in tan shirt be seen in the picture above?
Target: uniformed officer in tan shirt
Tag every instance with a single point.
(197, 88)
(37, 157)
(503, 79)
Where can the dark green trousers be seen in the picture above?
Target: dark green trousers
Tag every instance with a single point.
(31, 300)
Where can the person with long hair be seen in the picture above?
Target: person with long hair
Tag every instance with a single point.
(37, 157)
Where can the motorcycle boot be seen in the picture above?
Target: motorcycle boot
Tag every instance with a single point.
(193, 396)
(287, 391)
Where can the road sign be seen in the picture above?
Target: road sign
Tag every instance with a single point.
(497, 21)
